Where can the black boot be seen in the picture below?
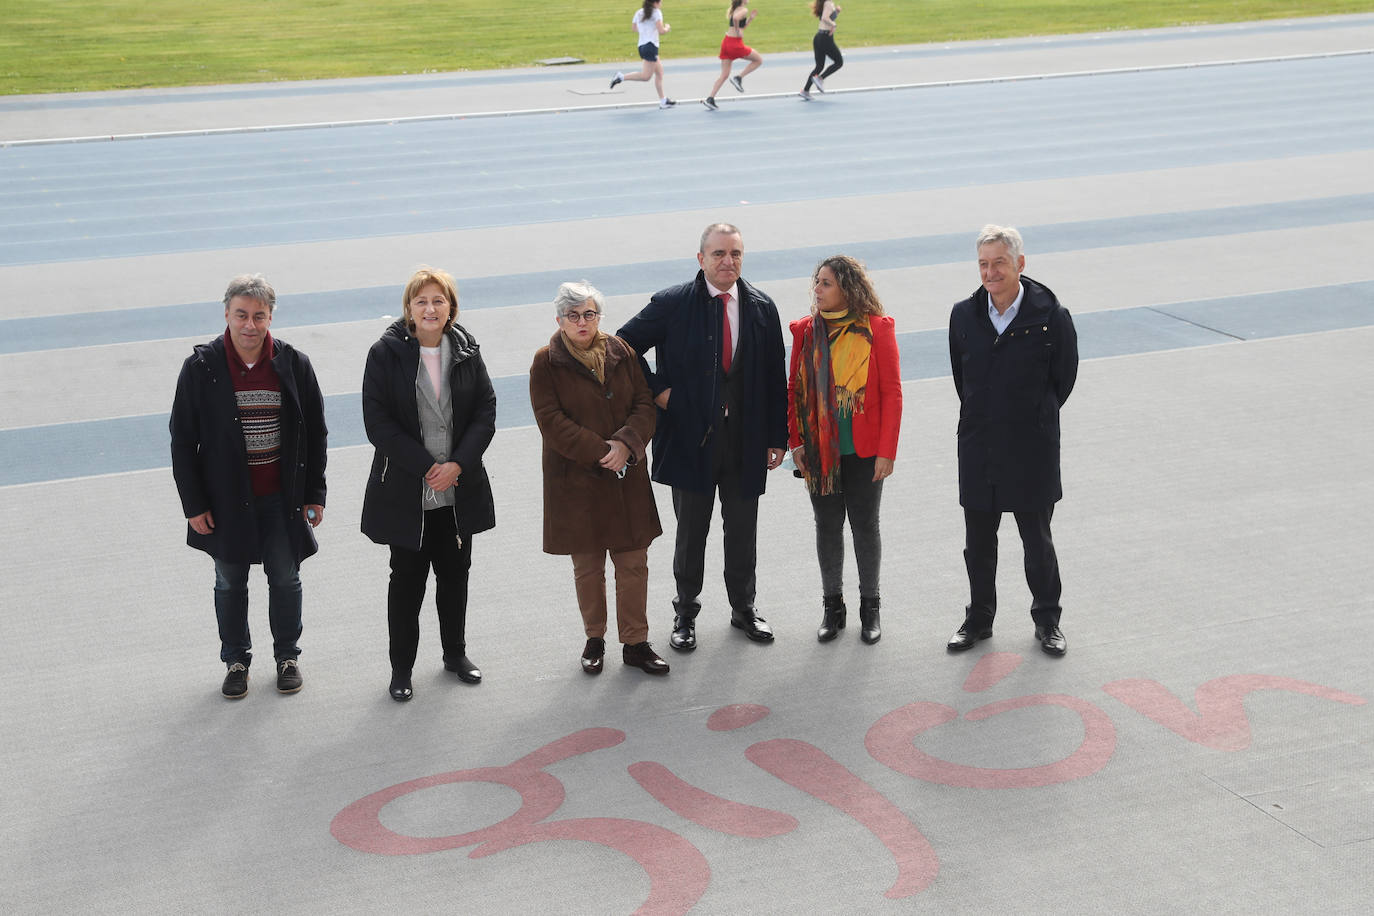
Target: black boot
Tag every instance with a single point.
(832, 617)
(868, 616)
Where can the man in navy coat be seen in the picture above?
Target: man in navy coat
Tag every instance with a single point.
(720, 383)
(1014, 354)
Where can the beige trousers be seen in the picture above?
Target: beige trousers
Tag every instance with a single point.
(631, 592)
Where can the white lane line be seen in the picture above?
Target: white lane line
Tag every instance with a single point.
(937, 84)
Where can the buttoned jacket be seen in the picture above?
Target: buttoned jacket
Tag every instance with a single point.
(1011, 387)
(587, 506)
(682, 326)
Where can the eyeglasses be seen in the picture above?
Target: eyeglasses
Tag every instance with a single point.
(588, 316)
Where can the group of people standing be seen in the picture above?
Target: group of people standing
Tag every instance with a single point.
(649, 25)
(719, 408)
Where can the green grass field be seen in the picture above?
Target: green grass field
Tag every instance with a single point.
(70, 45)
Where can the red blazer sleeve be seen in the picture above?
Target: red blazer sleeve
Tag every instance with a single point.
(885, 367)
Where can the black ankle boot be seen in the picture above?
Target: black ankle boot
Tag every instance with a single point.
(868, 616)
(832, 617)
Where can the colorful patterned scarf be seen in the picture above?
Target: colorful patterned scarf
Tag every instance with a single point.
(831, 382)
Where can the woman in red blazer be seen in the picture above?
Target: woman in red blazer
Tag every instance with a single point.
(844, 412)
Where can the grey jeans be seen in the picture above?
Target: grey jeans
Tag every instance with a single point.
(859, 500)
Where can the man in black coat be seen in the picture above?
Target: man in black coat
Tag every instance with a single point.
(1014, 354)
(720, 383)
(248, 456)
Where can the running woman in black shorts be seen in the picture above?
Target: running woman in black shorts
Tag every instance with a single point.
(648, 22)
(824, 45)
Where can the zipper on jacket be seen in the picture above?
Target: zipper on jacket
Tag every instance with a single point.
(386, 466)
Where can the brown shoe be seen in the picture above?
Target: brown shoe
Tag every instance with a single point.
(592, 655)
(642, 655)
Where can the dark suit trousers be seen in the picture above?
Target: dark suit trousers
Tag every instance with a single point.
(1042, 566)
(739, 518)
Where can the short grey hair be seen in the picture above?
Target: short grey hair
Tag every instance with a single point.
(725, 228)
(254, 286)
(1006, 235)
(571, 295)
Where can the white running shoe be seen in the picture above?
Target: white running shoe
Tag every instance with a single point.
(666, 103)
(820, 86)
(617, 80)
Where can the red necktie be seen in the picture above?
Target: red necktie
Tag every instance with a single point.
(727, 344)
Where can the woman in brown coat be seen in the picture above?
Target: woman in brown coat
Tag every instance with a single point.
(596, 414)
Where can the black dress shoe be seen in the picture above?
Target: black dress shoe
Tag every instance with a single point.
(1051, 640)
(465, 669)
(966, 636)
(833, 613)
(400, 687)
(754, 626)
(642, 656)
(592, 655)
(684, 638)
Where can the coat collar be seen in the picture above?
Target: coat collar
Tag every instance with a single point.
(1037, 304)
(398, 337)
(616, 351)
(747, 297)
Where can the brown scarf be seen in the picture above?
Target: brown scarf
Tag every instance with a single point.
(594, 357)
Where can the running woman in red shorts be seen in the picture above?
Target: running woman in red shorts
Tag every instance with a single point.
(733, 48)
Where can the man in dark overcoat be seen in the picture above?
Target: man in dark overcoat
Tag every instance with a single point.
(720, 384)
(1014, 354)
(248, 456)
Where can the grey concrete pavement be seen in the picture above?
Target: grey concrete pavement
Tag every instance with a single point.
(1206, 745)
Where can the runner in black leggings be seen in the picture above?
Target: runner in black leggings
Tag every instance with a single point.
(824, 45)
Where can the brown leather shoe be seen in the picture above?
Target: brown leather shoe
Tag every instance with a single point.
(593, 655)
(642, 655)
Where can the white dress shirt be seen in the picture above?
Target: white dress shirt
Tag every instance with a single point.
(1000, 322)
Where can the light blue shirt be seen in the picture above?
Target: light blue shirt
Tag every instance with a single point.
(1000, 322)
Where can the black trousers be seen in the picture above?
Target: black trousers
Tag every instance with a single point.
(1042, 565)
(739, 517)
(823, 44)
(439, 549)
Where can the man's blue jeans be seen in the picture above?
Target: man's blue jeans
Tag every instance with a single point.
(283, 590)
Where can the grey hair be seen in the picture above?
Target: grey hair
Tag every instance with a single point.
(254, 286)
(1006, 235)
(574, 294)
(725, 228)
